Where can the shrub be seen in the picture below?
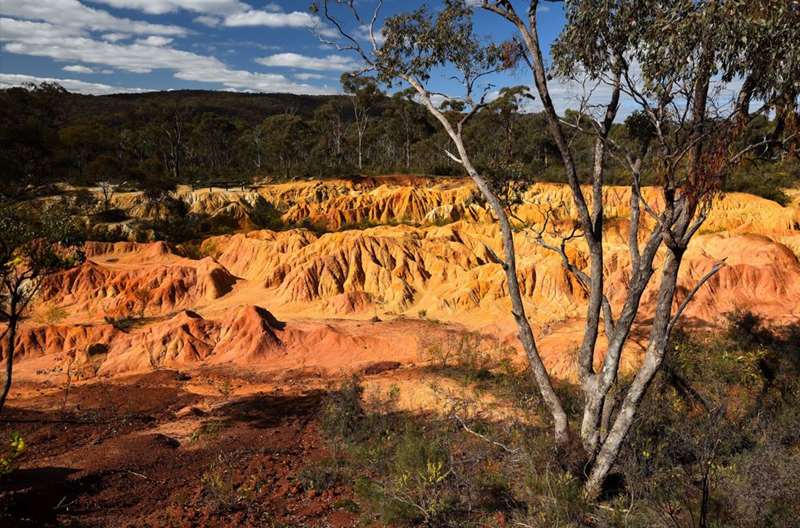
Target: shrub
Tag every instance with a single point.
(343, 413)
(321, 475)
(12, 452)
(54, 314)
(417, 487)
(221, 489)
(121, 323)
(207, 430)
(267, 216)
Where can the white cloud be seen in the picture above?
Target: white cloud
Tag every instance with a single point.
(295, 19)
(206, 20)
(72, 16)
(362, 32)
(154, 40)
(47, 40)
(160, 7)
(8, 80)
(303, 62)
(77, 68)
(114, 37)
(308, 76)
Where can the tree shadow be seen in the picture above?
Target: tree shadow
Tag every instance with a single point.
(35, 496)
(269, 410)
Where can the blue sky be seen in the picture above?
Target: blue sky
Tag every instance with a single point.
(107, 46)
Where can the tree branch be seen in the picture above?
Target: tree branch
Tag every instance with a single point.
(714, 270)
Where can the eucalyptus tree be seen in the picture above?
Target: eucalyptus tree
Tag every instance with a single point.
(697, 71)
(329, 126)
(286, 139)
(364, 94)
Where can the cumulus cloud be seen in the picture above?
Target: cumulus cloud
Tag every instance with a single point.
(9, 80)
(308, 76)
(207, 20)
(47, 40)
(295, 19)
(72, 16)
(77, 68)
(161, 7)
(304, 62)
(115, 37)
(154, 40)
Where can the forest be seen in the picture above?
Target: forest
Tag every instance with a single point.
(160, 139)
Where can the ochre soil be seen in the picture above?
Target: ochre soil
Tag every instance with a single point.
(122, 454)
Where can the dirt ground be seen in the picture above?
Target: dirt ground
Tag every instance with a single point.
(152, 450)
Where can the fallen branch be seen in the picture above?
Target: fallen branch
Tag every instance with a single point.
(483, 437)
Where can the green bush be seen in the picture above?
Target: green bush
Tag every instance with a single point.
(321, 475)
(13, 450)
(343, 413)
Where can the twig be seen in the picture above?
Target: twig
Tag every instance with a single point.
(145, 477)
(483, 437)
(714, 270)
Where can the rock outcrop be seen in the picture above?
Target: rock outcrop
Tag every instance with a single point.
(439, 258)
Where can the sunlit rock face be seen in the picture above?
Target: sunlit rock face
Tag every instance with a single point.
(419, 254)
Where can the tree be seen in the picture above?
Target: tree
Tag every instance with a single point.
(678, 47)
(83, 142)
(409, 115)
(286, 138)
(173, 137)
(329, 125)
(31, 249)
(107, 190)
(364, 93)
(212, 138)
(507, 107)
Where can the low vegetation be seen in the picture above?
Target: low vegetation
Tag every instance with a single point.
(715, 445)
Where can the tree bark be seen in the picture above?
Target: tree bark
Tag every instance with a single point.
(552, 401)
(11, 339)
(659, 336)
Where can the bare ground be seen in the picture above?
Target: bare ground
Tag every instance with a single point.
(147, 451)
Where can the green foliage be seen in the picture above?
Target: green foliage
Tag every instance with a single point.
(765, 179)
(121, 323)
(45, 136)
(417, 488)
(207, 430)
(721, 417)
(321, 475)
(343, 413)
(724, 412)
(267, 216)
(223, 490)
(11, 453)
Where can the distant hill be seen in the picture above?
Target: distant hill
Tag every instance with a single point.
(250, 107)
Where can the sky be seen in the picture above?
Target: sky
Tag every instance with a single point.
(111, 46)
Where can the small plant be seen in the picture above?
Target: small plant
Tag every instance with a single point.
(225, 388)
(417, 489)
(210, 248)
(13, 450)
(321, 475)
(123, 323)
(207, 430)
(54, 314)
(222, 491)
(343, 412)
(67, 384)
